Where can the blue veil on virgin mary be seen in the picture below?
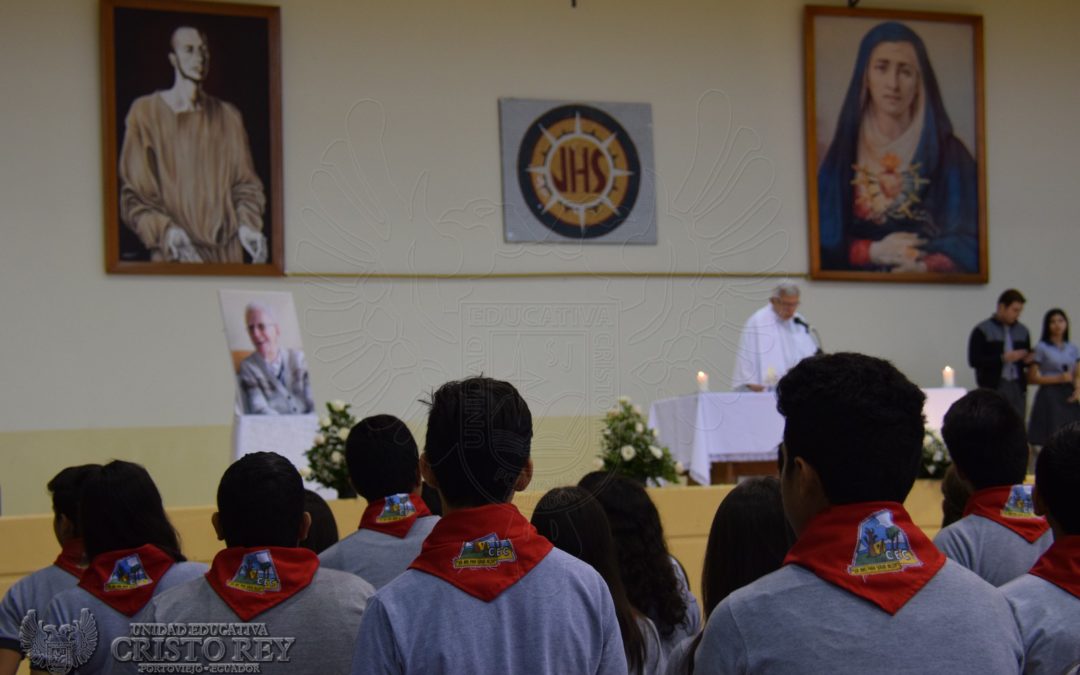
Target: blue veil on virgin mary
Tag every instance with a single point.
(924, 182)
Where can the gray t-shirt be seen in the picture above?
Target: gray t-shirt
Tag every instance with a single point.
(792, 621)
(66, 607)
(311, 632)
(34, 591)
(377, 557)
(990, 549)
(557, 619)
(655, 654)
(678, 662)
(1049, 621)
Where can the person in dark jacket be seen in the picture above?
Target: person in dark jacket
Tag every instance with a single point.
(999, 350)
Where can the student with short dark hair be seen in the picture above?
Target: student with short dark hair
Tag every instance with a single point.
(1000, 536)
(1046, 600)
(862, 588)
(384, 467)
(265, 578)
(487, 593)
(133, 552)
(36, 590)
(654, 579)
(323, 532)
(574, 521)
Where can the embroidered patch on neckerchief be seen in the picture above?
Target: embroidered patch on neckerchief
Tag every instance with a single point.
(871, 550)
(125, 580)
(252, 580)
(483, 550)
(394, 515)
(1011, 506)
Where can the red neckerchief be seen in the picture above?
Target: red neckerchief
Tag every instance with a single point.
(125, 580)
(871, 549)
(72, 558)
(1010, 506)
(394, 515)
(1060, 565)
(482, 551)
(252, 580)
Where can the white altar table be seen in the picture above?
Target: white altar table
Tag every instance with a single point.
(703, 428)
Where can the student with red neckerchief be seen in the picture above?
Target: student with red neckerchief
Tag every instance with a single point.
(1046, 600)
(487, 594)
(306, 616)
(134, 554)
(1000, 536)
(863, 589)
(384, 467)
(36, 590)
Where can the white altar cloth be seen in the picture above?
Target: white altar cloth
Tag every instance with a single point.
(703, 428)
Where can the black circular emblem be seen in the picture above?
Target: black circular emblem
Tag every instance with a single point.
(579, 171)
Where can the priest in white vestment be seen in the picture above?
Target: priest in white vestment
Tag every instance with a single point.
(774, 339)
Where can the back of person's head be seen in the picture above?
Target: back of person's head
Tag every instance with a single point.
(955, 492)
(785, 290)
(1011, 295)
(644, 563)
(323, 532)
(121, 508)
(749, 538)
(575, 522)
(260, 501)
(986, 438)
(1057, 478)
(857, 421)
(66, 490)
(478, 440)
(382, 457)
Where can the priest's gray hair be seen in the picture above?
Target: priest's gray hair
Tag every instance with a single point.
(264, 309)
(786, 289)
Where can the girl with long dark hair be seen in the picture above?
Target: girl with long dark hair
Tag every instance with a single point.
(134, 554)
(748, 539)
(655, 581)
(573, 520)
(1057, 402)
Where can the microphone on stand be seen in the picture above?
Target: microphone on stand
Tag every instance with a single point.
(810, 330)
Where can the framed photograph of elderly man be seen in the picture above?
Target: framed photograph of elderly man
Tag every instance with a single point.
(895, 150)
(192, 128)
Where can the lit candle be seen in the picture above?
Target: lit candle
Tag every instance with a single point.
(770, 377)
(702, 382)
(948, 377)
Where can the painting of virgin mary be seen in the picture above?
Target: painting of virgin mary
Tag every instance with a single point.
(897, 191)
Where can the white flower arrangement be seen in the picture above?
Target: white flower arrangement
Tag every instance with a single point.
(629, 447)
(326, 457)
(935, 456)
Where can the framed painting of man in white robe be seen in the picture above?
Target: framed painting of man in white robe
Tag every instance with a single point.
(895, 146)
(192, 129)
